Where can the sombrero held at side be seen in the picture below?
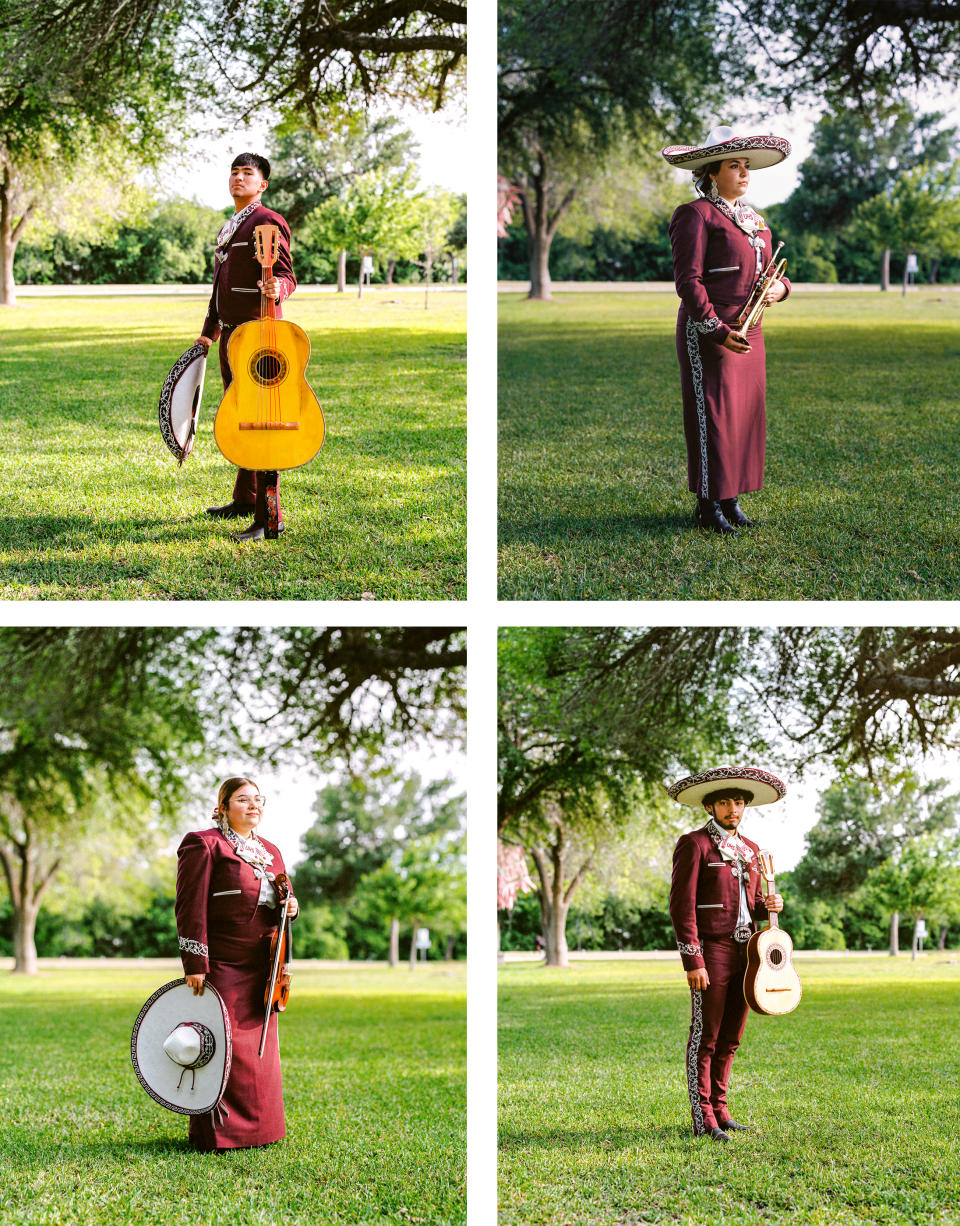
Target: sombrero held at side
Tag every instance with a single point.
(764, 788)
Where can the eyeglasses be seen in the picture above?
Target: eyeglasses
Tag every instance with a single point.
(252, 802)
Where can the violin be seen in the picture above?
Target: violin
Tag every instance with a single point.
(281, 951)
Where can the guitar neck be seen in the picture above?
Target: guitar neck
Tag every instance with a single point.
(268, 306)
(772, 915)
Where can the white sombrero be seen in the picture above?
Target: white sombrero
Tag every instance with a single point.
(181, 1048)
(180, 401)
(766, 788)
(764, 150)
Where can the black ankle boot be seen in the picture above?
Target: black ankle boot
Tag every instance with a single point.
(733, 513)
(711, 518)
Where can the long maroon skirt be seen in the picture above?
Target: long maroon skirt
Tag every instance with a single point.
(724, 412)
(254, 1093)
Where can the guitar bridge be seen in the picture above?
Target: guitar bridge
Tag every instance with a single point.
(268, 425)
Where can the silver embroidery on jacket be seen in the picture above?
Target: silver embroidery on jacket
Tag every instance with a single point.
(194, 947)
(696, 372)
(693, 1055)
(694, 948)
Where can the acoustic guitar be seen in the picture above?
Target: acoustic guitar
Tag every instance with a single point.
(771, 983)
(269, 419)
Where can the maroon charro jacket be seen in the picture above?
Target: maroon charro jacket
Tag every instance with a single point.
(235, 298)
(705, 895)
(715, 265)
(216, 890)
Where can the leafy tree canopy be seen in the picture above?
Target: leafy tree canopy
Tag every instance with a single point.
(300, 56)
(365, 821)
(864, 49)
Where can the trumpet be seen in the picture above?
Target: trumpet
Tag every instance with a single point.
(752, 312)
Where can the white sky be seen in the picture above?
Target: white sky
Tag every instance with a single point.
(782, 827)
(201, 172)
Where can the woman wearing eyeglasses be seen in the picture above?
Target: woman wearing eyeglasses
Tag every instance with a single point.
(226, 912)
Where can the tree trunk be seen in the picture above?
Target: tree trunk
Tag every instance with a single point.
(8, 288)
(24, 942)
(428, 273)
(541, 226)
(942, 938)
(413, 944)
(554, 899)
(342, 273)
(934, 270)
(448, 950)
(885, 270)
(540, 268)
(555, 934)
(904, 277)
(27, 883)
(9, 236)
(455, 271)
(894, 934)
(391, 268)
(394, 942)
(360, 281)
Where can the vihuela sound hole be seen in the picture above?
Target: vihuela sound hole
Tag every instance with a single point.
(268, 367)
(775, 957)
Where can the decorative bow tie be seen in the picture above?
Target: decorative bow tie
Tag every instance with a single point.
(735, 849)
(730, 846)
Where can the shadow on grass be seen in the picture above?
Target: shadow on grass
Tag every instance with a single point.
(572, 1139)
(42, 1155)
(600, 528)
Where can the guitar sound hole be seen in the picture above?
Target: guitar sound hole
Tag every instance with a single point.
(268, 367)
(775, 957)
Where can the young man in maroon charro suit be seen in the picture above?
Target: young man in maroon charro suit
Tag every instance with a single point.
(716, 903)
(235, 299)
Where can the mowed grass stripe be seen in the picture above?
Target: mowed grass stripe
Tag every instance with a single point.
(851, 1099)
(863, 453)
(374, 1084)
(99, 509)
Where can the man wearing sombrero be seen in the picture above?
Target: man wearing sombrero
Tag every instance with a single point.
(715, 905)
(720, 248)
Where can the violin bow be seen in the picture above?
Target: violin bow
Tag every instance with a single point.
(274, 971)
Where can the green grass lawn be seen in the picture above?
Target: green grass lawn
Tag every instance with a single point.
(374, 1070)
(852, 1099)
(97, 508)
(863, 454)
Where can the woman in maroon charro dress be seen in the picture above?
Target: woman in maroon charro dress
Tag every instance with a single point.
(720, 247)
(226, 913)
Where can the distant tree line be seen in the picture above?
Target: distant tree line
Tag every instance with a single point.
(616, 923)
(591, 93)
(384, 859)
(348, 194)
(883, 183)
(592, 720)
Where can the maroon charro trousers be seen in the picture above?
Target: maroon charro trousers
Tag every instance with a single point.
(718, 1016)
(247, 488)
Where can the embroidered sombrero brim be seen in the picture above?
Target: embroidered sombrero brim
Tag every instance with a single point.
(180, 397)
(193, 1092)
(766, 788)
(764, 150)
